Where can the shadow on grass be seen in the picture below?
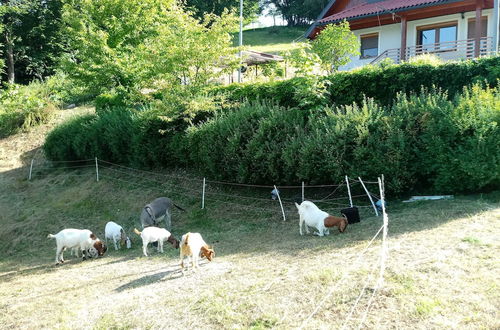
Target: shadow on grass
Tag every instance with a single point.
(150, 279)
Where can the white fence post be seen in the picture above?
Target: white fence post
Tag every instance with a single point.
(369, 196)
(281, 204)
(31, 169)
(302, 190)
(203, 195)
(384, 235)
(96, 170)
(348, 189)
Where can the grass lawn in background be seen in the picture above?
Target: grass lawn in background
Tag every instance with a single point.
(273, 40)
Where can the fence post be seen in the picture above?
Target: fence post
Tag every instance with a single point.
(203, 195)
(31, 169)
(369, 196)
(384, 235)
(348, 190)
(302, 190)
(96, 170)
(281, 204)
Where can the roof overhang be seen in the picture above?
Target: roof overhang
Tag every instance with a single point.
(385, 11)
(384, 17)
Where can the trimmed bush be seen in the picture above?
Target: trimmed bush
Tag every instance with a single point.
(381, 83)
(106, 136)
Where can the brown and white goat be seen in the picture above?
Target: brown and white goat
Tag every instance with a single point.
(311, 216)
(193, 246)
(83, 239)
(340, 222)
(155, 234)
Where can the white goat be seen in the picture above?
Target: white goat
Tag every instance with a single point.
(313, 217)
(193, 245)
(83, 239)
(115, 232)
(155, 234)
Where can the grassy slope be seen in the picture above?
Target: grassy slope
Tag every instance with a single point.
(271, 40)
(442, 270)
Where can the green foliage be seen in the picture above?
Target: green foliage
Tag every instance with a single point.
(424, 142)
(22, 107)
(430, 59)
(106, 136)
(109, 100)
(134, 44)
(335, 45)
(382, 83)
(298, 12)
(34, 30)
(200, 8)
(302, 59)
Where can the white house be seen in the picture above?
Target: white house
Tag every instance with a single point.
(401, 29)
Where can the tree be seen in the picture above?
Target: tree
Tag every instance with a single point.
(31, 37)
(302, 59)
(299, 12)
(334, 45)
(251, 8)
(138, 43)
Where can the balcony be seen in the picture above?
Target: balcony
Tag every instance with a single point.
(452, 50)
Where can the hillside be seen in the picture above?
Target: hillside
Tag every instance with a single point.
(442, 269)
(273, 40)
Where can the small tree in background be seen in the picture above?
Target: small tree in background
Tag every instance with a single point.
(302, 59)
(334, 46)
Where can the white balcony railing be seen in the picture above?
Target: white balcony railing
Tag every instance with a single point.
(451, 50)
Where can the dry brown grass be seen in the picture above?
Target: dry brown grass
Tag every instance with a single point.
(442, 270)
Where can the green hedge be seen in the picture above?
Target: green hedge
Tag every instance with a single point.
(422, 142)
(382, 83)
(426, 142)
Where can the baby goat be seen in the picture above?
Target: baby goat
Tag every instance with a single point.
(312, 216)
(83, 239)
(193, 245)
(155, 234)
(115, 232)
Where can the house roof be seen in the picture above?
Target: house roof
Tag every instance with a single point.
(373, 7)
(251, 57)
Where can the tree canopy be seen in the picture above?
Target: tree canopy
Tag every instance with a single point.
(299, 12)
(133, 43)
(251, 8)
(31, 37)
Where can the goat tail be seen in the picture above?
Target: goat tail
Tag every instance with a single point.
(297, 206)
(187, 238)
(51, 236)
(137, 232)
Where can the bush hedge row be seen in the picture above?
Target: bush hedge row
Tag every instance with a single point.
(381, 83)
(426, 142)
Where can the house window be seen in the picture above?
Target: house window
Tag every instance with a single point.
(437, 37)
(369, 45)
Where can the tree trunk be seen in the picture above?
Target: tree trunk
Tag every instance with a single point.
(9, 57)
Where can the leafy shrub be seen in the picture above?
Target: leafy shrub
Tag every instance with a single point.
(109, 100)
(381, 83)
(106, 136)
(425, 142)
(22, 107)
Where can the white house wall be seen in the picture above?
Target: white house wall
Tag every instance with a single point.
(389, 36)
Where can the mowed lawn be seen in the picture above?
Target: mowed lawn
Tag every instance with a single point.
(273, 40)
(442, 267)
